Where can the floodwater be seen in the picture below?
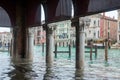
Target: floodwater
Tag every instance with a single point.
(64, 67)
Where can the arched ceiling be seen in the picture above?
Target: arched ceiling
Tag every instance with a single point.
(33, 13)
(9, 7)
(56, 10)
(4, 18)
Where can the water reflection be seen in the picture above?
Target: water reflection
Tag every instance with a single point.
(21, 71)
(106, 64)
(79, 74)
(49, 75)
(63, 69)
(17, 73)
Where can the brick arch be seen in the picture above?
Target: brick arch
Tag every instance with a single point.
(80, 7)
(50, 10)
(55, 12)
(33, 13)
(50, 7)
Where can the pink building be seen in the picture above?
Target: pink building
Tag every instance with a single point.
(39, 36)
(108, 28)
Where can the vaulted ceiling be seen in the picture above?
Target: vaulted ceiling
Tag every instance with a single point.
(55, 10)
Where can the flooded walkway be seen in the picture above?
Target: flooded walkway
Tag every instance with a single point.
(63, 69)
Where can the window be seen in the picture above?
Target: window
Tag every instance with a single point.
(38, 40)
(98, 34)
(94, 22)
(119, 26)
(38, 33)
(108, 35)
(85, 34)
(98, 23)
(108, 25)
(61, 25)
(119, 37)
(94, 34)
(89, 32)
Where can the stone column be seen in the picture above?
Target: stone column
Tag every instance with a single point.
(106, 50)
(19, 44)
(30, 44)
(49, 44)
(80, 40)
(12, 44)
(19, 33)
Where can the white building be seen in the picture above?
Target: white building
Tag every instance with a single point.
(72, 36)
(5, 38)
(93, 30)
(62, 33)
(118, 33)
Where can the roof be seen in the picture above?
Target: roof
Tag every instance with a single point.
(108, 18)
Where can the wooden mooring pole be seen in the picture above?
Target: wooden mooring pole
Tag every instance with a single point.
(91, 52)
(42, 47)
(91, 47)
(69, 51)
(55, 50)
(95, 51)
(106, 50)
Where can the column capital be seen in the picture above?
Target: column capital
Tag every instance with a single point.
(44, 26)
(75, 22)
(78, 22)
(82, 21)
(51, 26)
(16, 28)
(31, 31)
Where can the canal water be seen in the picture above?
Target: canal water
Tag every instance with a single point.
(64, 67)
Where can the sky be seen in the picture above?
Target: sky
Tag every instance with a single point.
(110, 14)
(4, 29)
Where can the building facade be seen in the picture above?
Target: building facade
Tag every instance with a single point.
(39, 35)
(99, 27)
(92, 31)
(108, 28)
(5, 38)
(118, 31)
(72, 36)
(62, 33)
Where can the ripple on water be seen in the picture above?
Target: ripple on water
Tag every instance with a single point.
(63, 69)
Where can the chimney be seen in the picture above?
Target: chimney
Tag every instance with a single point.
(103, 13)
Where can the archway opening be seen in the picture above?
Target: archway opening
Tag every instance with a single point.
(5, 34)
(5, 38)
(39, 33)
